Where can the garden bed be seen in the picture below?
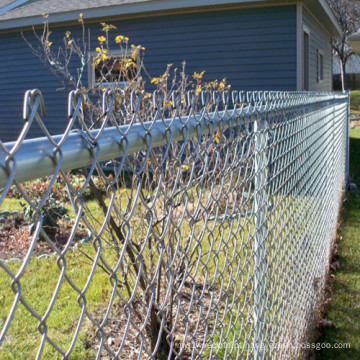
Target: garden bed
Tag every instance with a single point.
(15, 237)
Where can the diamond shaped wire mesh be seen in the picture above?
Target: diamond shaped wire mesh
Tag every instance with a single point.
(206, 230)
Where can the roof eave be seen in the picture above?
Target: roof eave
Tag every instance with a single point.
(120, 10)
(337, 31)
(321, 9)
(355, 42)
(148, 7)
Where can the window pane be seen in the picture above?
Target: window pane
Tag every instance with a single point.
(320, 67)
(115, 69)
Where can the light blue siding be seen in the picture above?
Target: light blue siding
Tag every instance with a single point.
(319, 40)
(252, 48)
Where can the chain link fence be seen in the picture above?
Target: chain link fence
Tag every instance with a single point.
(200, 233)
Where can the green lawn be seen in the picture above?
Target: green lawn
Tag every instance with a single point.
(38, 285)
(41, 275)
(355, 103)
(24, 338)
(344, 310)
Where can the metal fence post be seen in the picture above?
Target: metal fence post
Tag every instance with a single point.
(260, 237)
(347, 155)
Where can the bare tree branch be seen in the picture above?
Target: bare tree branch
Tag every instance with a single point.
(347, 13)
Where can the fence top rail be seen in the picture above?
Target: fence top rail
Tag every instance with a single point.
(34, 158)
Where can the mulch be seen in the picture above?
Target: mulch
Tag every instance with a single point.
(15, 238)
(354, 124)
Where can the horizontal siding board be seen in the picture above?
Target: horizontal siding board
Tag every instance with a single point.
(248, 36)
(246, 29)
(244, 16)
(209, 70)
(271, 61)
(207, 39)
(252, 48)
(231, 50)
(197, 27)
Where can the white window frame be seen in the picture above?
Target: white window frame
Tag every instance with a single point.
(306, 30)
(112, 53)
(320, 66)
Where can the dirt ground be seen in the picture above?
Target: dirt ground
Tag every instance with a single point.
(15, 238)
(355, 124)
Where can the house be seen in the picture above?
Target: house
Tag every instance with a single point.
(352, 73)
(354, 68)
(354, 40)
(255, 44)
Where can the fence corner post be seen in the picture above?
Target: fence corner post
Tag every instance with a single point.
(260, 236)
(347, 155)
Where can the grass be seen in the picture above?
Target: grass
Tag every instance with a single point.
(344, 309)
(355, 103)
(11, 205)
(41, 275)
(23, 337)
(38, 285)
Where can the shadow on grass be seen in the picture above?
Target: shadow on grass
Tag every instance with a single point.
(355, 156)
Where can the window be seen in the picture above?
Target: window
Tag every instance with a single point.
(320, 66)
(116, 68)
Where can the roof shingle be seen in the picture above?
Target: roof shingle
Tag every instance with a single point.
(37, 7)
(5, 3)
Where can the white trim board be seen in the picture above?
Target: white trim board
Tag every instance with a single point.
(299, 46)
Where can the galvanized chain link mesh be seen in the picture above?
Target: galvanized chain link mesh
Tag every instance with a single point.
(212, 228)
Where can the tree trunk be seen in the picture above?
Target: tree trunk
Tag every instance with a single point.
(163, 350)
(343, 72)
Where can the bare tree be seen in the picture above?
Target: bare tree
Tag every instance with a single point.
(347, 13)
(157, 277)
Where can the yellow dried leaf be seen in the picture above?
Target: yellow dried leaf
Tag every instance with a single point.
(107, 27)
(198, 76)
(135, 54)
(217, 137)
(119, 39)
